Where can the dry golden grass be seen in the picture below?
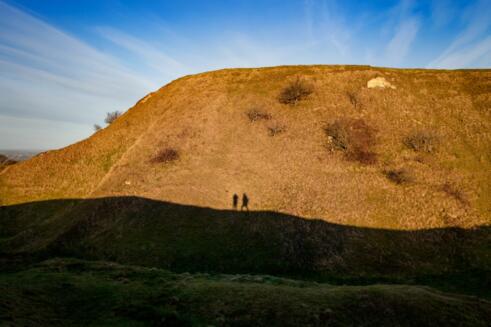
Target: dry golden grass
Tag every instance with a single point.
(204, 117)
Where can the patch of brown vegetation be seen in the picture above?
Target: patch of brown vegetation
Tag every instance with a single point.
(353, 99)
(422, 141)
(398, 176)
(354, 137)
(166, 156)
(256, 115)
(276, 129)
(295, 92)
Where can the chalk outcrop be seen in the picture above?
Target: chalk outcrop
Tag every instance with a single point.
(379, 82)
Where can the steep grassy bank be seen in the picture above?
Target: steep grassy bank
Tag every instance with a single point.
(145, 232)
(71, 292)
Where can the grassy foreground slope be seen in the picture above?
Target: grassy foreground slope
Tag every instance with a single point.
(71, 292)
(231, 134)
(153, 233)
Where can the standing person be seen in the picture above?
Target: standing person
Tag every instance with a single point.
(235, 201)
(245, 202)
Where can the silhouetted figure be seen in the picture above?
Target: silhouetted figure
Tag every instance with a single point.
(245, 202)
(235, 200)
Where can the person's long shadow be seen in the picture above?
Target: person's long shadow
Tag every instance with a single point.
(141, 231)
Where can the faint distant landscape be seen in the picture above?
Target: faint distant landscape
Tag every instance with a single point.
(19, 155)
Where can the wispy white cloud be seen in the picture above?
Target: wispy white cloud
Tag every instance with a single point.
(465, 57)
(326, 25)
(471, 42)
(442, 12)
(394, 17)
(48, 74)
(400, 44)
(241, 50)
(149, 54)
(309, 20)
(399, 31)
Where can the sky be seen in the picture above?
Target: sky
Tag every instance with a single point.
(64, 64)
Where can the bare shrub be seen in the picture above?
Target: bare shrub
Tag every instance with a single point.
(97, 127)
(255, 115)
(112, 116)
(455, 193)
(276, 129)
(354, 137)
(421, 141)
(165, 156)
(338, 134)
(353, 99)
(295, 92)
(398, 176)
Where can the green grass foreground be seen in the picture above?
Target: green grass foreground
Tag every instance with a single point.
(64, 292)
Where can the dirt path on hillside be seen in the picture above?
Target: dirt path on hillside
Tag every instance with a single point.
(5, 170)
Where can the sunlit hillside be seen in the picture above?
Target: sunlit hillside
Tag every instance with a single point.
(414, 154)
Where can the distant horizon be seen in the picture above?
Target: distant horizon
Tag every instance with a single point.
(23, 150)
(65, 64)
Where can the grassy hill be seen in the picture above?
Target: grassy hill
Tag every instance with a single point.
(432, 132)
(349, 185)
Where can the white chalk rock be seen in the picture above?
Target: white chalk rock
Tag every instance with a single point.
(379, 82)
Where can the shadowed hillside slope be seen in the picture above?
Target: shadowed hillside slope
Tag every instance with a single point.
(152, 233)
(78, 293)
(424, 159)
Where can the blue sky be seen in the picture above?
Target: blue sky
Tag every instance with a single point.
(64, 64)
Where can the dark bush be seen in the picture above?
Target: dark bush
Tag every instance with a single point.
(255, 115)
(111, 117)
(166, 156)
(354, 137)
(276, 129)
(362, 156)
(97, 127)
(398, 176)
(338, 133)
(421, 141)
(294, 92)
